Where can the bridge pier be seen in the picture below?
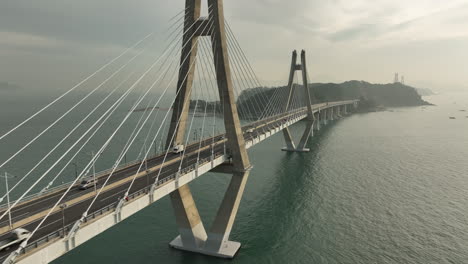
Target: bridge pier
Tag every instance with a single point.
(290, 146)
(216, 243)
(324, 117)
(338, 112)
(317, 121)
(191, 229)
(311, 120)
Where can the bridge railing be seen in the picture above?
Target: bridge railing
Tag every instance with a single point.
(111, 207)
(66, 185)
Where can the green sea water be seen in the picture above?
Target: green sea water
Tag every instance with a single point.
(384, 187)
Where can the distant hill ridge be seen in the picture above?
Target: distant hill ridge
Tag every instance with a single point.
(389, 95)
(384, 95)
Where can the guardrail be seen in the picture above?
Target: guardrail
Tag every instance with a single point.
(66, 185)
(111, 207)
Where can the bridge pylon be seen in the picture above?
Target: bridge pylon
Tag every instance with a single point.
(193, 236)
(311, 119)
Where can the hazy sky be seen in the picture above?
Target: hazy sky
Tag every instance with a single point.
(50, 43)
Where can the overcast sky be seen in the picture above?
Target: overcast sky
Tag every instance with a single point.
(50, 43)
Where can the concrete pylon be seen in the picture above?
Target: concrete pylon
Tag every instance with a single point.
(317, 122)
(338, 112)
(193, 236)
(324, 115)
(290, 146)
(191, 229)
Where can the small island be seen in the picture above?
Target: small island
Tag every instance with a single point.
(374, 97)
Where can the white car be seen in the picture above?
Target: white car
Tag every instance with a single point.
(87, 183)
(178, 149)
(15, 237)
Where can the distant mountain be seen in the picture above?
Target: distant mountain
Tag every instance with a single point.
(388, 95)
(375, 95)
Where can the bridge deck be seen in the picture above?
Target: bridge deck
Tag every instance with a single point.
(30, 213)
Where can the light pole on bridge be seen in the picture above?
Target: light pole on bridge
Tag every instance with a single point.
(6, 176)
(63, 206)
(76, 169)
(93, 158)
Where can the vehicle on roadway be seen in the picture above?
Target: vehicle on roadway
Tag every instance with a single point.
(178, 149)
(87, 183)
(250, 130)
(16, 236)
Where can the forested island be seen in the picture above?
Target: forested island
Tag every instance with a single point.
(252, 102)
(373, 96)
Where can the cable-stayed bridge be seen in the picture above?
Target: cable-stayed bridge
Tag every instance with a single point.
(209, 110)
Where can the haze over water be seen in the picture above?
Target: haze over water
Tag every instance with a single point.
(384, 187)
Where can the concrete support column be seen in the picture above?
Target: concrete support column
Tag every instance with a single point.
(331, 114)
(191, 229)
(305, 137)
(290, 146)
(338, 112)
(218, 243)
(317, 121)
(188, 220)
(325, 117)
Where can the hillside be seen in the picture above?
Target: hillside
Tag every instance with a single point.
(382, 95)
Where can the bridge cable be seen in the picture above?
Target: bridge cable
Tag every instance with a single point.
(37, 181)
(76, 86)
(60, 97)
(71, 132)
(133, 179)
(74, 129)
(267, 111)
(231, 34)
(107, 115)
(240, 66)
(173, 135)
(246, 64)
(248, 100)
(202, 130)
(105, 145)
(191, 123)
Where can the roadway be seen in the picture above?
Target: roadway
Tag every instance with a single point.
(74, 211)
